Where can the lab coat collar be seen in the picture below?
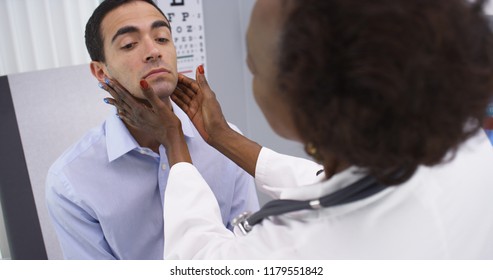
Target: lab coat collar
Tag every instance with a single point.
(324, 187)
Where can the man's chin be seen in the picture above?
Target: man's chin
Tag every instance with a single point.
(163, 90)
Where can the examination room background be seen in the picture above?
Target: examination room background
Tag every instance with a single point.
(48, 100)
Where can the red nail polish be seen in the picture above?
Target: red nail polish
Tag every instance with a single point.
(201, 69)
(144, 84)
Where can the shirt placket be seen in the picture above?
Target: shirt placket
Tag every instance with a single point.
(163, 170)
(163, 173)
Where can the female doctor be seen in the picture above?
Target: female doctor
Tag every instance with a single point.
(387, 96)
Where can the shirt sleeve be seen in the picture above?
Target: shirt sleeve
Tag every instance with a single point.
(193, 226)
(79, 233)
(275, 172)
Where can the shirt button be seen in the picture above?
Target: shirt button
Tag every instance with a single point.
(163, 166)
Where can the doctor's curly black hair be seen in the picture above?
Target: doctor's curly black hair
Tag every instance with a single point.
(387, 85)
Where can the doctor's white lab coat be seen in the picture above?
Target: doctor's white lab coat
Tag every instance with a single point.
(442, 212)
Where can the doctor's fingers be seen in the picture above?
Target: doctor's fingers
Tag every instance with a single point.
(205, 89)
(137, 116)
(202, 80)
(116, 101)
(181, 99)
(122, 110)
(155, 102)
(185, 93)
(121, 96)
(121, 107)
(189, 83)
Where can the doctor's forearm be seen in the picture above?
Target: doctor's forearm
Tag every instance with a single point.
(241, 150)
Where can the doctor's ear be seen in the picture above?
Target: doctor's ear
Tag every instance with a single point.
(98, 70)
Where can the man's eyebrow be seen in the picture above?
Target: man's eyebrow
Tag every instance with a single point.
(131, 29)
(124, 30)
(160, 23)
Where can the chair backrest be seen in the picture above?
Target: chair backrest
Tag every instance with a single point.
(42, 114)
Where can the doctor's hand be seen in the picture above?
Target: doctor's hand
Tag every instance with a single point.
(199, 102)
(154, 117)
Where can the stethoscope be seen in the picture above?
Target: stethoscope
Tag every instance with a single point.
(361, 189)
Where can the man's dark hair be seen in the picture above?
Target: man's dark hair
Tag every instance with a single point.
(94, 38)
(387, 85)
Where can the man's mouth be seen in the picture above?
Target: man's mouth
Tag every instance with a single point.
(156, 71)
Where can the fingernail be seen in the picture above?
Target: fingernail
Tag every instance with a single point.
(201, 69)
(101, 85)
(106, 81)
(144, 84)
(106, 101)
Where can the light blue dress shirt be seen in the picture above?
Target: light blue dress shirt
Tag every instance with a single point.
(105, 193)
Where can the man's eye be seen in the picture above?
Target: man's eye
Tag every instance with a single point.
(162, 40)
(128, 46)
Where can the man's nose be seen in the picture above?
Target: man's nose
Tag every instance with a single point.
(152, 52)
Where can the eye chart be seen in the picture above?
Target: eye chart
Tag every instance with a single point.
(187, 24)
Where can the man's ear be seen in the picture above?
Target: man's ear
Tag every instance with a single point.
(98, 70)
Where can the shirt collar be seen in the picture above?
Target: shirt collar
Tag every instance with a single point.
(119, 141)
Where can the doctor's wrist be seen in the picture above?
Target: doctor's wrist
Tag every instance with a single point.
(219, 136)
(176, 148)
